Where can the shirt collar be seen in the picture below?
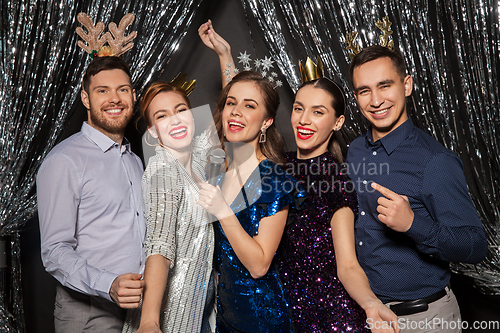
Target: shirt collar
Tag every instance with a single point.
(101, 140)
(392, 140)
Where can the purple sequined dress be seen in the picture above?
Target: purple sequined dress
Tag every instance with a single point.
(307, 265)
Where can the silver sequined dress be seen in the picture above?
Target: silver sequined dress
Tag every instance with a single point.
(178, 229)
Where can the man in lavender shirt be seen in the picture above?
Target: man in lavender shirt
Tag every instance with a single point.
(89, 205)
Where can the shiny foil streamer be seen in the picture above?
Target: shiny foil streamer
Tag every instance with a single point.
(40, 74)
(452, 50)
(265, 13)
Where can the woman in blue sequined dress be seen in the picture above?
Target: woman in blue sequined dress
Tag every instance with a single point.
(327, 288)
(251, 205)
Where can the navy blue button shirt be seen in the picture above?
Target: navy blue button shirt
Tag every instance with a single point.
(446, 227)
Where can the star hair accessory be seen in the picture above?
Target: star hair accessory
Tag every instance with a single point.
(180, 81)
(311, 71)
(94, 41)
(384, 25)
(263, 66)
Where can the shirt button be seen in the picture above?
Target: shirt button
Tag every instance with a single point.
(360, 243)
(374, 153)
(365, 182)
(137, 213)
(130, 183)
(363, 213)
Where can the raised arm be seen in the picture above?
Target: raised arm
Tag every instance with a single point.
(216, 43)
(379, 317)
(255, 253)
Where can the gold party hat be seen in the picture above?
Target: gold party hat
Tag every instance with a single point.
(181, 82)
(311, 71)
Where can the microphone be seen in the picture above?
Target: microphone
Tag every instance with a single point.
(216, 157)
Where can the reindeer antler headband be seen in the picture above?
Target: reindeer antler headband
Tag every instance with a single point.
(118, 43)
(384, 25)
(115, 37)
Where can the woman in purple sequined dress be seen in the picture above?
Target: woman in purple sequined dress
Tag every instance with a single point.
(327, 288)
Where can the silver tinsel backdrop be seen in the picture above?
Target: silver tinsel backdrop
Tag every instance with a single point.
(40, 74)
(452, 50)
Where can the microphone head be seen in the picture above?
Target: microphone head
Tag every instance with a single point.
(217, 156)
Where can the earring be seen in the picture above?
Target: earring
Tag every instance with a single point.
(263, 136)
(146, 135)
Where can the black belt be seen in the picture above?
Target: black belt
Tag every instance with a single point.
(406, 308)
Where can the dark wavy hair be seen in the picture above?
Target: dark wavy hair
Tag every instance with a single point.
(273, 148)
(338, 104)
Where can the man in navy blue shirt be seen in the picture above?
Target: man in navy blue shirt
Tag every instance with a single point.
(415, 212)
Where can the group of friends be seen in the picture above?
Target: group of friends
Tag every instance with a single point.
(151, 251)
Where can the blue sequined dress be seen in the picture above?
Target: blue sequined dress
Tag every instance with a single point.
(306, 257)
(246, 304)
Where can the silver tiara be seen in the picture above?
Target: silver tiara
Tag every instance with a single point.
(262, 66)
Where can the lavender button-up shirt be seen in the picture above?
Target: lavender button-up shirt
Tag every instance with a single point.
(89, 206)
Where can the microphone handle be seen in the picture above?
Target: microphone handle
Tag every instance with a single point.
(213, 172)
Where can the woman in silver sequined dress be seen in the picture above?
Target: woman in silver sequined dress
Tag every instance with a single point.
(180, 240)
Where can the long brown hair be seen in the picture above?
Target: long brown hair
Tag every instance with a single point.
(273, 148)
(153, 90)
(338, 104)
